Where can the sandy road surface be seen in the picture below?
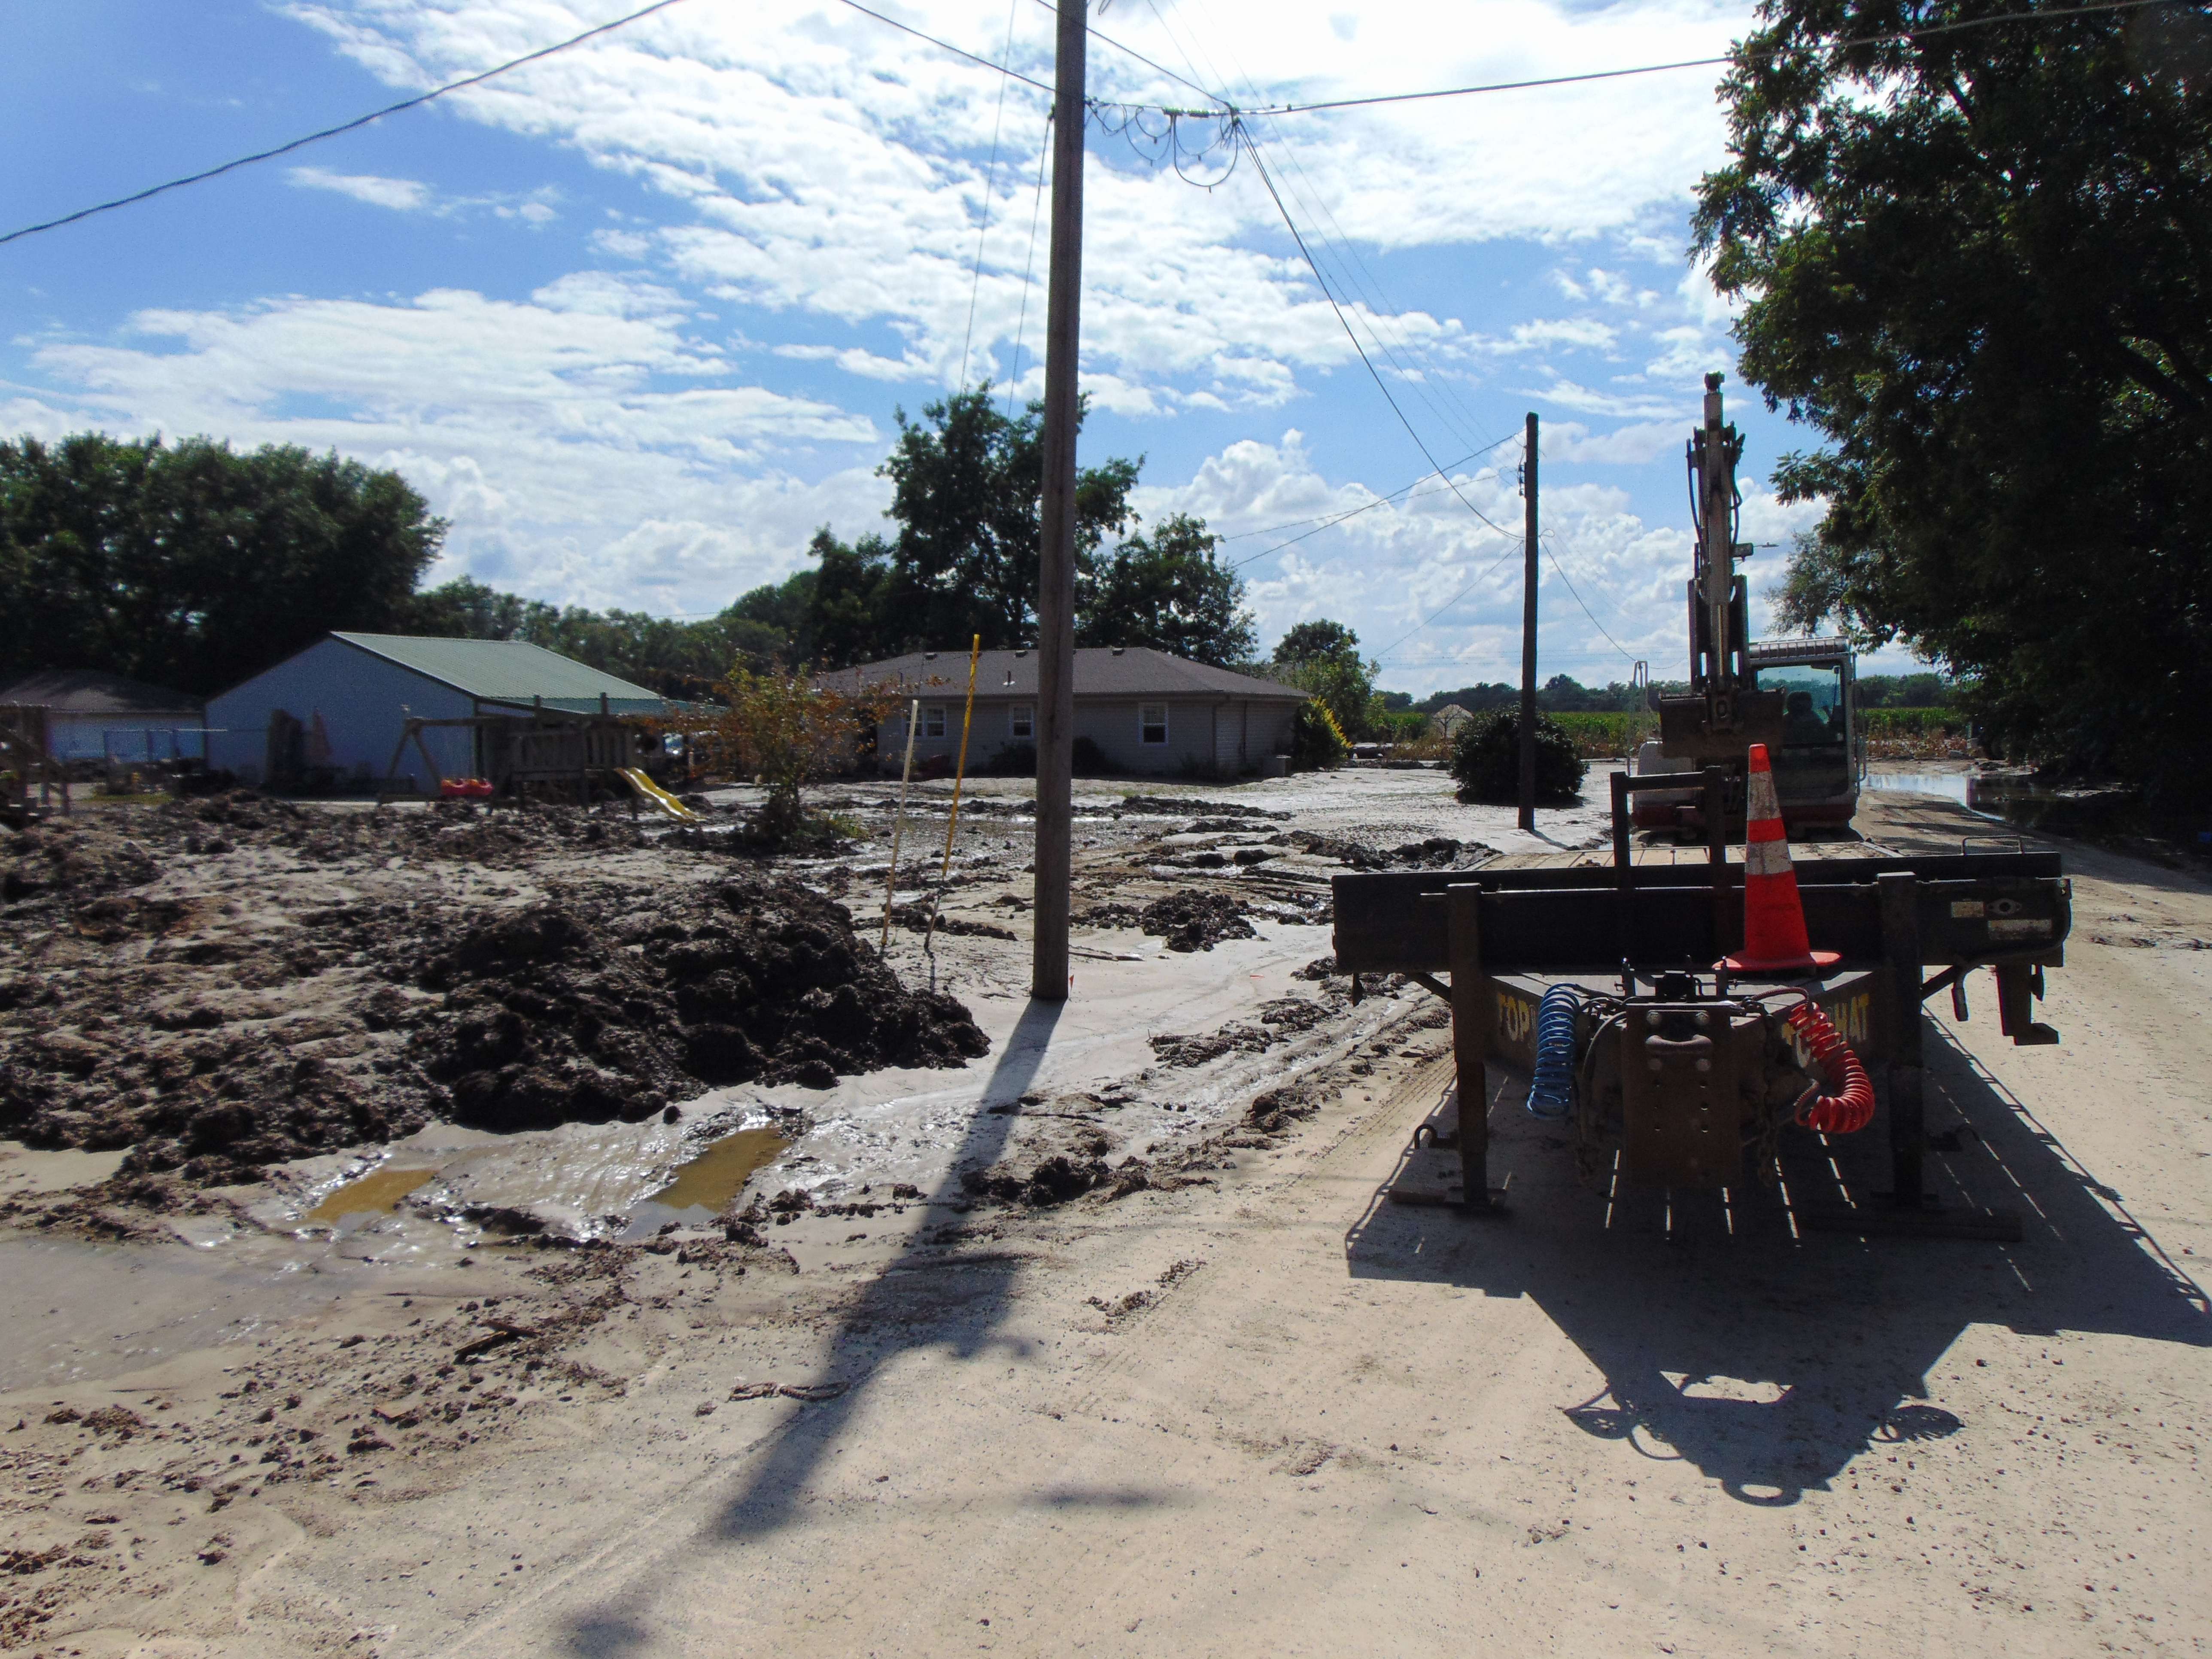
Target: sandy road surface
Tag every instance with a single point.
(1278, 1416)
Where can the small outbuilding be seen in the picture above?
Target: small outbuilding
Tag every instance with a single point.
(338, 710)
(1143, 710)
(1450, 718)
(92, 716)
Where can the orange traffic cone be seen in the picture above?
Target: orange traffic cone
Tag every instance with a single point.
(1774, 939)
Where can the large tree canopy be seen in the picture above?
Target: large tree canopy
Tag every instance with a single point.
(1980, 263)
(968, 483)
(195, 566)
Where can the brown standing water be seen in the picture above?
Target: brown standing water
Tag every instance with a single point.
(705, 1186)
(377, 1193)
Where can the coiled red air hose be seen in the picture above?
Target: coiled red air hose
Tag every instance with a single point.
(1852, 1108)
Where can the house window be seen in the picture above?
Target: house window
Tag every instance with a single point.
(1152, 722)
(933, 719)
(1021, 722)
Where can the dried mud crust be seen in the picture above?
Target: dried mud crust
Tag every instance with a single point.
(211, 1043)
(393, 1394)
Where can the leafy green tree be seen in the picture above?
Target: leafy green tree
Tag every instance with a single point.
(967, 483)
(1322, 657)
(1975, 263)
(1486, 760)
(193, 565)
(1168, 590)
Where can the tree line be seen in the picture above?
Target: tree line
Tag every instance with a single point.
(195, 566)
(1564, 694)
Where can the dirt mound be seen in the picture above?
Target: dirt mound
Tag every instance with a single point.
(1196, 921)
(551, 1015)
(212, 1036)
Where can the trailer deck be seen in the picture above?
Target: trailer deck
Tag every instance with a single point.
(1492, 940)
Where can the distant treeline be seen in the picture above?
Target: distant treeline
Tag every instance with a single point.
(1562, 694)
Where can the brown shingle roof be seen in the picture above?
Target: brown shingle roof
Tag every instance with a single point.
(1100, 671)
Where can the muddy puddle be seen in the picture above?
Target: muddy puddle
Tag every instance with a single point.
(377, 1193)
(702, 1189)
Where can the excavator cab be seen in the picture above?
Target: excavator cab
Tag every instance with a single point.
(1816, 772)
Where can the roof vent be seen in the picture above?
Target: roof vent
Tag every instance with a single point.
(1119, 649)
(1021, 651)
(1010, 676)
(929, 656)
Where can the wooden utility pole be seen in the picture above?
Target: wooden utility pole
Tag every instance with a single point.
(1529, 528)
(1056, 733)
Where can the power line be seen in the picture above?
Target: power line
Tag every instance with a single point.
(1229, 108)
(1482, 575)
(1028, 264)
(414, 102)
(1325, 520)
(1709, 63)
(1253, 150)
(1330, 521)
(990, 185)
(1551, 553)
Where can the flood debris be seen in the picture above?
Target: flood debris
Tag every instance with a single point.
(213, 1034)
(1196, 921)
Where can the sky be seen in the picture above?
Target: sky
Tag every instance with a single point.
(640, 317)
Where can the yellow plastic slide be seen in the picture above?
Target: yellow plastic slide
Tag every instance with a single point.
(653, 795)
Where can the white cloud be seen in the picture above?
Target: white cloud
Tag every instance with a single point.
(403, 195)
(815, 159)
(584, 444)
(1430, 587)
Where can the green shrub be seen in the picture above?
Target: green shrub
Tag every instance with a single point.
(1487, 761)
(1316, 741)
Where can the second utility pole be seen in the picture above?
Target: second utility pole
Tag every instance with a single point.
(1055, 731)
(1528, 632)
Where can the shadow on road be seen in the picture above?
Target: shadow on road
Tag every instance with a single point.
(921, 1300)
(1770, 1360)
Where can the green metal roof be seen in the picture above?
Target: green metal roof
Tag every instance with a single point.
(509, 671)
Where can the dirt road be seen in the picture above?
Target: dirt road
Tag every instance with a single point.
(1269, 1414)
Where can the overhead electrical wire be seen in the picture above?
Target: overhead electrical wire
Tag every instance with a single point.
(1338, 516)
(977, 58)
(414, 102)
(990, 184)
(1881, 38)
(1551, 553)
(1329, 521)
(1259, 163)
(1029, 264)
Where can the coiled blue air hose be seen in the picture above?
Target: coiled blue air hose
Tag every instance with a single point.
(1551, 1084)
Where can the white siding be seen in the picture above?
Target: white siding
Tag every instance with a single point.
(364, 701)
(1230, 736)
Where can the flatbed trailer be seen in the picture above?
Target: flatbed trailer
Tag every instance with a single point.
(1685, 1074)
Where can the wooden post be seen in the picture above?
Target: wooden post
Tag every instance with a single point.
(1470, 1044)
(1529, 531)
(1896, 893)
(1056, 733)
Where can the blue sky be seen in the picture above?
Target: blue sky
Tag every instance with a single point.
(636, 318)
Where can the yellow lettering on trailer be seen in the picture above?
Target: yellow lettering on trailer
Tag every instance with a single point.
(1516, 1018)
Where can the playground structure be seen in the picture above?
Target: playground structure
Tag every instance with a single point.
(27, 763)
(536, 753)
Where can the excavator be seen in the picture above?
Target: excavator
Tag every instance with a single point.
(1681, 1022)
(1795, 696)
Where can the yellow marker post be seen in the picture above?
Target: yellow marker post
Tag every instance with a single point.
(959, 776)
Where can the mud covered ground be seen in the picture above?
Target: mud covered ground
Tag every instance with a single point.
(171, 987)
(1116, 1340)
